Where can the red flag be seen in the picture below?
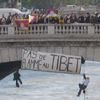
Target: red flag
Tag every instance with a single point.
(22, 24)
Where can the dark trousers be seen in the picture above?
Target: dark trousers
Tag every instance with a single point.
(18, 80)
(81, 87)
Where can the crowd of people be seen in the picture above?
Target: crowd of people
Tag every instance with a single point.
(41, 17)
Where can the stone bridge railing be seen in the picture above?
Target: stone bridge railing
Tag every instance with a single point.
(52, 32)
(73, 29)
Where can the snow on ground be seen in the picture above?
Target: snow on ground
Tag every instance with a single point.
(52, 86)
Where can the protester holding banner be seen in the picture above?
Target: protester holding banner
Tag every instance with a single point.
(84, 85)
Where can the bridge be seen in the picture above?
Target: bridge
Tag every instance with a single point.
(70, 39)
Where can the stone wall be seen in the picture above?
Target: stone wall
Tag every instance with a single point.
(12, 51)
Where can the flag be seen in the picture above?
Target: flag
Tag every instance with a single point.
(31, 18)
(22, 24)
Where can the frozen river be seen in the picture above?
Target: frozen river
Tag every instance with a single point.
(52, 86)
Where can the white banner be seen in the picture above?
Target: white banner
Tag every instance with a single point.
(53, 62)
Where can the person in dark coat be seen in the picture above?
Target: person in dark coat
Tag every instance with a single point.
(84, 85)
(17, 78)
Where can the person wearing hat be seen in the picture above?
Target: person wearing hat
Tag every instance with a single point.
(84, 85)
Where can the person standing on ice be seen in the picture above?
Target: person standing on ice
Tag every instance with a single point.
(84, 85)
(17, 78)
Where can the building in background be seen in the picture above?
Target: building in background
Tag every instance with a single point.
(19, 4)
(11, 4)
(15, 4)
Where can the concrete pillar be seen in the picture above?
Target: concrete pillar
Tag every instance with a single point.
(51, 29)
(11, 30)
(91, 29)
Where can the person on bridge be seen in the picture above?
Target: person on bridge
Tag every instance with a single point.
(84, 85)
(17, 78)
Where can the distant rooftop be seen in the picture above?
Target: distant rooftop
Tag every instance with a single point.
(75, 9)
